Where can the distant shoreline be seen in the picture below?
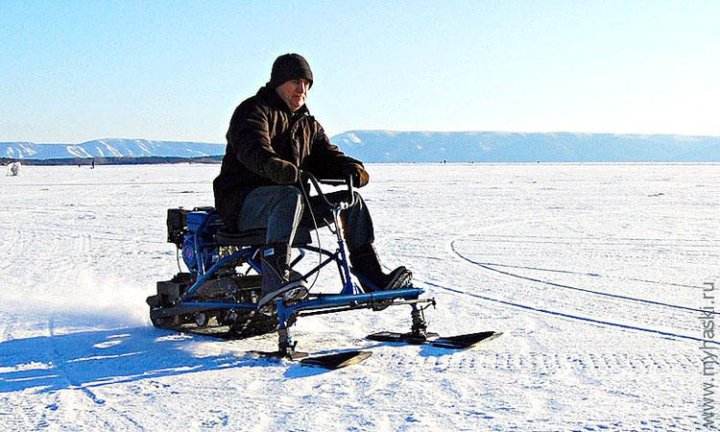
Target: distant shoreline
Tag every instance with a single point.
(216, 160)
(143, 160)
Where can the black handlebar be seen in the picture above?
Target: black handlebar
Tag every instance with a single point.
(305, 175)
(332, 182)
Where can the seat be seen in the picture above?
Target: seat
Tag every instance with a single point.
(255, 237)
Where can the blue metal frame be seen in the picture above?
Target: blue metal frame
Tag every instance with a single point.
(350, 296)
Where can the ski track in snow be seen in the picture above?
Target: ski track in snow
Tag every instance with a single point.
(566, 314)
(598, 306)
(492, 267)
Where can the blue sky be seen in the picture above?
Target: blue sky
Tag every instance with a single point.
(73, 71)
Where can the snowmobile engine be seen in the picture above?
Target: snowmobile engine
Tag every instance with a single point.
(191, 258)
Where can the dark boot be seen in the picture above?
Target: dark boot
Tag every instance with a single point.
(364, 260)
(276, 276)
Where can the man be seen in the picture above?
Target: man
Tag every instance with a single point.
(271, 137)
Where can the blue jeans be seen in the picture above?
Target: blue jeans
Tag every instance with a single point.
(282, 210)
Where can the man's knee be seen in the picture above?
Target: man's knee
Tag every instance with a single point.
(289, 193)
(283, 202)
(345, 196)
(288, 198)
(358, 210)
(358, 201)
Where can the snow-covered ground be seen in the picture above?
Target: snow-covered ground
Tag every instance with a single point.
(595, 274)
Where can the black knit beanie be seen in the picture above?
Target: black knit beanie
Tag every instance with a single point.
(289, 67)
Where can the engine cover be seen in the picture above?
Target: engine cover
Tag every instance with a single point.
(192, 259)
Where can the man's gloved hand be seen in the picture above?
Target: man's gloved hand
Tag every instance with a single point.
(280, 171)
(358, 173)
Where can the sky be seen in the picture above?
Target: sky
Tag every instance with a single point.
(74, 71)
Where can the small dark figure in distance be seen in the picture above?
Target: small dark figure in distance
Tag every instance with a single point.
(271, 137)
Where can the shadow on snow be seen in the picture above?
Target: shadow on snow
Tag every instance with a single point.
(88, 359)
(95, 358)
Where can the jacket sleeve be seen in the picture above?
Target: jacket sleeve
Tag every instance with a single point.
(326, 159)
(249, 134)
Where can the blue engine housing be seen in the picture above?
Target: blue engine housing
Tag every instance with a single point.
(199, 251)
(192, 259)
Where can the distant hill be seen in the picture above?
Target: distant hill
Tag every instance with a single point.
(109, 148)
(389, 146)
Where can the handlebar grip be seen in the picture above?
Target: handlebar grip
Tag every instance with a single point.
(333, 182)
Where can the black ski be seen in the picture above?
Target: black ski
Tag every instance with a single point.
(465, 341)
(328, 361)
(290, 355)
(337, 361)
(459, 342)
(407, 338)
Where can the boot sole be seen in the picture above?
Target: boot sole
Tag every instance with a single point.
(291, 292)
(402, 280)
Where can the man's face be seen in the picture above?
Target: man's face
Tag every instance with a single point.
(294, 92)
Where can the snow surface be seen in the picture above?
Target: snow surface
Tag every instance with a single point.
(592, 272)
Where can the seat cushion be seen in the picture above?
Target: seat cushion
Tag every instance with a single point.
(256, 237)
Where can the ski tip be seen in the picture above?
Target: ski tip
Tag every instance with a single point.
(466, 341)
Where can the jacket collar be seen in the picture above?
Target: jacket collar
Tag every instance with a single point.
(271, 96)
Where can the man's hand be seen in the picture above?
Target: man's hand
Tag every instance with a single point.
(359, 175)
(280, 171)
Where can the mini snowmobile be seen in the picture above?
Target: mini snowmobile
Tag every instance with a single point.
(218, 294)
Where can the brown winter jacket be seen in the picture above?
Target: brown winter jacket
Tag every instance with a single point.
(262, 127)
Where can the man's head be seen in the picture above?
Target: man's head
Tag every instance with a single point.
(291, 78)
